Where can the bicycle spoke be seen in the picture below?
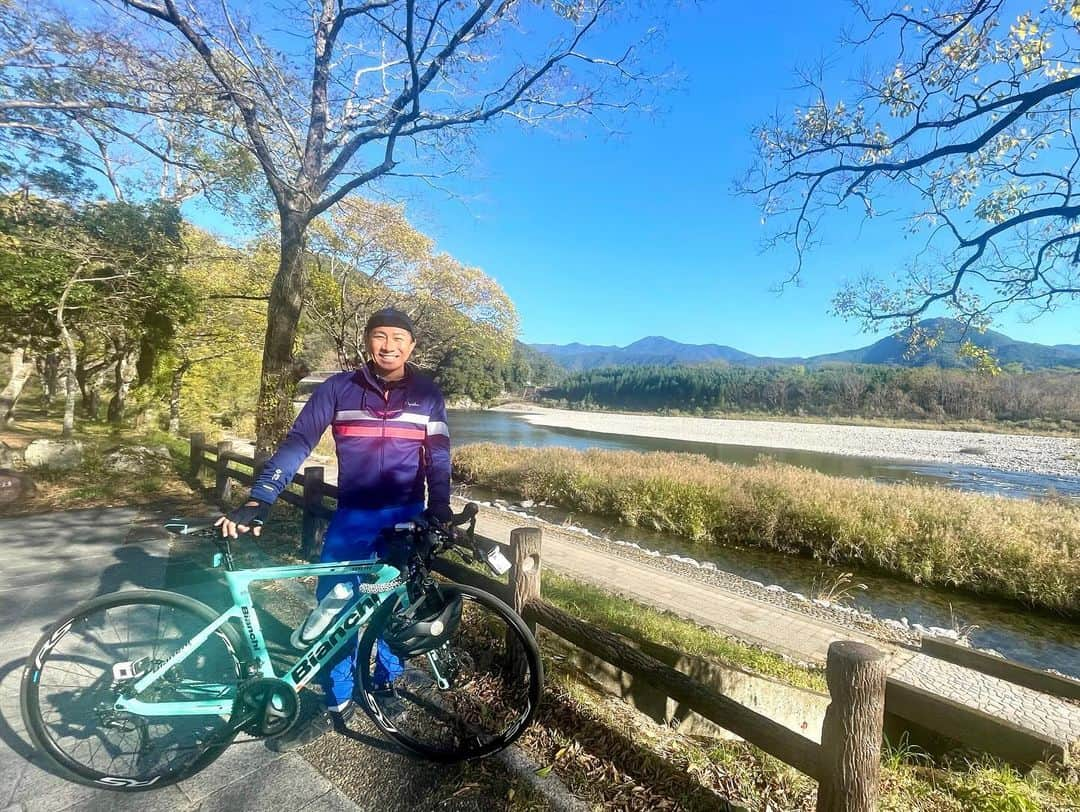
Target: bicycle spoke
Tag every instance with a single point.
(483, 701)
(75, 696)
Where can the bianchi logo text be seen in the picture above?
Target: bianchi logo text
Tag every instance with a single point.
(314, 659)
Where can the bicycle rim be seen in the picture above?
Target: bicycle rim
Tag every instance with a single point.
(75, 676)
(473, 697)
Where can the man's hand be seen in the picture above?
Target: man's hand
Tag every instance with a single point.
(252, 515)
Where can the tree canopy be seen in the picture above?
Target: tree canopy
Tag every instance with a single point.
(842, 390)
(358, 92)
(966, 128)
(100, 282)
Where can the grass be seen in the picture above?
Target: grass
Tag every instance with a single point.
(640, 622)
(1018, 550)
(94, 483)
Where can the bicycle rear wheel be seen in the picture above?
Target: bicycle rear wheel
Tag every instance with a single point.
(472, 696)
(93, 656)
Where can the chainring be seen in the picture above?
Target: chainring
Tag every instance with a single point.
(269, 705)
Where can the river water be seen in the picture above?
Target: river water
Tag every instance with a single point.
(506, 428)
(1031, 637)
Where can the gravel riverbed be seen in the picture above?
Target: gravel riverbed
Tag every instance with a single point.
(1055, 456)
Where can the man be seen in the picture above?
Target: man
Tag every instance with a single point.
(390, 430)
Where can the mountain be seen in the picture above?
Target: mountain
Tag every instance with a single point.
(646, 351)
(892, 350)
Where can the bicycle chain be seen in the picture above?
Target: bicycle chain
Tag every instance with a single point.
(386, 586)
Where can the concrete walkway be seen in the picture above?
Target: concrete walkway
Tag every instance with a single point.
(799, 636)
(51, 562)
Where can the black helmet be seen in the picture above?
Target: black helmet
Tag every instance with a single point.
(426, 624)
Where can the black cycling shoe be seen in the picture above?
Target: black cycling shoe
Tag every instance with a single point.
(305, 731)
(386, 701)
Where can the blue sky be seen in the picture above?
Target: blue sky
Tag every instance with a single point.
(605, 240)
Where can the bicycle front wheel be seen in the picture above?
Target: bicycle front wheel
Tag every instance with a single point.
(93, 656)
(470, 697)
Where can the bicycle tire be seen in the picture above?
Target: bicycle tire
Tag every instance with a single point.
(76, 641)
(431, 711)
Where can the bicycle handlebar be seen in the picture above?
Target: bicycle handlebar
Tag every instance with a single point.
(423, 539)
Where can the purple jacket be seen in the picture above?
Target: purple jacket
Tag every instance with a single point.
(390, 436)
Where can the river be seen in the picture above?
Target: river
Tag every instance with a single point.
(1023, 635)
(506, 428)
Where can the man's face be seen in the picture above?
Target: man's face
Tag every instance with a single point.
(390, 348)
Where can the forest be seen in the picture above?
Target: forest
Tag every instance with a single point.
(128, 312)
(843, 390)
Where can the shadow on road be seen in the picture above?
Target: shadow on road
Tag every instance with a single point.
(53, 562)
(10, 674)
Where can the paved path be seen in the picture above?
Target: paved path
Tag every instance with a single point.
(802, 637)
(47, 564)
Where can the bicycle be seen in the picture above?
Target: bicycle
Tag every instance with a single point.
(139, 689)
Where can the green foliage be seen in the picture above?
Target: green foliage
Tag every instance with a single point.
(1013, 549)
(915, 393)
(119, 261)
(470, 372)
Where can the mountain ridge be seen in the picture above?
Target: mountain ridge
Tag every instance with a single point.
(892, 350)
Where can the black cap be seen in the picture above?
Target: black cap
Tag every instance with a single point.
(390, 317)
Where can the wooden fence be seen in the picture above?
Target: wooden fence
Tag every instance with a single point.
(845, 764)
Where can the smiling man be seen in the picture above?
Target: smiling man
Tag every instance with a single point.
(390, 430)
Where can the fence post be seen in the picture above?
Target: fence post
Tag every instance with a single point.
(311, 529)
(223, 485)
(198, 445)
(525, 569)
(524, 587)
(851, 732)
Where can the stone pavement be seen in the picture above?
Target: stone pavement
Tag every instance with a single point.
(48, 563)
(1023, 707)
(802, 637)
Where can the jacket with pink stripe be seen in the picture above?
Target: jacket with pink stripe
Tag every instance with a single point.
(391, 437)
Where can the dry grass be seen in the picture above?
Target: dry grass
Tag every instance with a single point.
(94, 483)
(1019, 550)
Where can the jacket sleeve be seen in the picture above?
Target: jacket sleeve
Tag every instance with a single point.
(437, 456)
(306, 430)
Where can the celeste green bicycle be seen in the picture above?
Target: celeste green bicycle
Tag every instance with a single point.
(139, 689)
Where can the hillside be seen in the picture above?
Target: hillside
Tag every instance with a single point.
(892, 350)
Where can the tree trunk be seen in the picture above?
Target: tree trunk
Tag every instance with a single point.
(91, 387)
(123, 375)
(72, 359)
(174, 397)
(50, 380)
(69, 390)
(22, 368)
(82, 378)
(274, 414)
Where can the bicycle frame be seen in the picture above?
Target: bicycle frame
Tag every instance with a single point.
(350, 620)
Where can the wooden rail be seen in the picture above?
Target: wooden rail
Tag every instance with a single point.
(846, 762)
